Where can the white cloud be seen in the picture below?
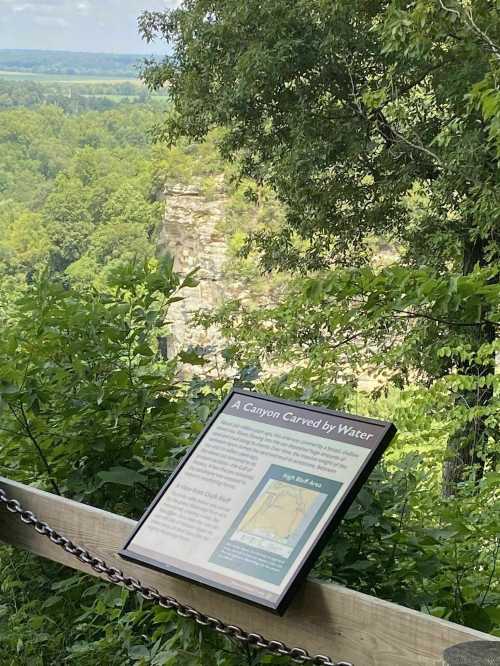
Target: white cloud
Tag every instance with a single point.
(34, 8)
(81, 25)
(51, 21)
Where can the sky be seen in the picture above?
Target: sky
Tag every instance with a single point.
(108, 26)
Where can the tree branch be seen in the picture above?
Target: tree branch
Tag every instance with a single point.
(408, 87)
(422, 315)
(29, 433)
(470, 23)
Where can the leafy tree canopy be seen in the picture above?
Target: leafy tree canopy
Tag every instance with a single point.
(365, 117)
(369, 120)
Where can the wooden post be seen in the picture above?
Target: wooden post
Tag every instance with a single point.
(473, 653)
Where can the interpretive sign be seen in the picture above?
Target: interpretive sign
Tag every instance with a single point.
(251, 505)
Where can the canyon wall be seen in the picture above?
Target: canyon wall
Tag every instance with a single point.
(191, 233)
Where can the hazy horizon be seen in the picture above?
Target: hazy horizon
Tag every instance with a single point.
(78, 51)
(85, 26)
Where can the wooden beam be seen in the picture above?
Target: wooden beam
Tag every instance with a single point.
(324, 618)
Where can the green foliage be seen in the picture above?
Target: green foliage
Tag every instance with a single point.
(80, 387)
(343, 108)
(367, 120)
(81, 192)
(89, 408)
(101, 624)
(372, 123)
(403, 541)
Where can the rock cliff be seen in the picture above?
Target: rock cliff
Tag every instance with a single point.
(191, 233)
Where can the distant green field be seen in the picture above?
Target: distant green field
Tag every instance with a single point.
(61, 78)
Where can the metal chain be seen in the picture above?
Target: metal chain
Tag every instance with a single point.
(296, 654)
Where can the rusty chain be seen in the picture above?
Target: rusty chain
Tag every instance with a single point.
(296, 654)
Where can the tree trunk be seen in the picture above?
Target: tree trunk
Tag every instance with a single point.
(466, 453)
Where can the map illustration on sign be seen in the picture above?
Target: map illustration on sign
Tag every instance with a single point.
(275, 522)
(279, 517)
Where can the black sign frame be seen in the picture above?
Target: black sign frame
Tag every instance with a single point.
(388, 431)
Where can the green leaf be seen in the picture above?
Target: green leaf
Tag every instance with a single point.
(192, 358)
(122, 476)
(8, 389)
(144, 350)
(476, 617)
(493, 613)
(138, 652)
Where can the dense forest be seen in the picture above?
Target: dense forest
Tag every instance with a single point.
(357, 144)
(80, 213)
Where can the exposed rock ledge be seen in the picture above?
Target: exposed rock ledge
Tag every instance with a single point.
(190, 233)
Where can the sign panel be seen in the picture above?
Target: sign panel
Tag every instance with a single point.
(251, 505)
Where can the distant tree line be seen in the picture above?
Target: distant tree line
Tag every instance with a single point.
(68, 62)
(72, 97)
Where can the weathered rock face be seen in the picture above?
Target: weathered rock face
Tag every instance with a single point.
(190, 234)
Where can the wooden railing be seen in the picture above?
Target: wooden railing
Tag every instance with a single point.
(324, 618)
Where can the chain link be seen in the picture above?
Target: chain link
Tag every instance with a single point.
(296, 654)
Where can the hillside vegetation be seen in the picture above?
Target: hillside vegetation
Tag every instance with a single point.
(334, 129)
